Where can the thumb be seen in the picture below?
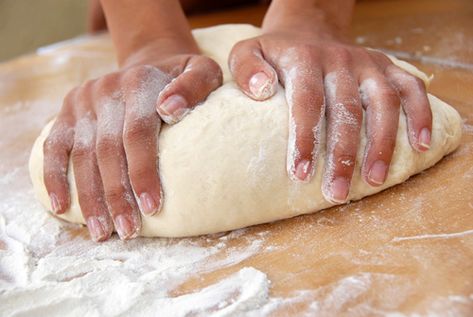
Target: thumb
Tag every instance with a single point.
(252, 73)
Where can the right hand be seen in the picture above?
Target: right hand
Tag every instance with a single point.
(109, 127)
(324, 75)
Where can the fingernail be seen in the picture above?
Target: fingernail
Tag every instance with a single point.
(424, 138)
(339, 189)
(260, 86)
(377, 174)
(124, 227)
(303, 170)
(175, 106)
(147, 204)
(160, 201)
(96, 230)
(56, 207)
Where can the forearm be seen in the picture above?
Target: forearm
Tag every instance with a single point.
(136, 24)
(327, 15)
(95, 18)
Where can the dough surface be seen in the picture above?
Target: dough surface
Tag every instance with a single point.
(224, 166)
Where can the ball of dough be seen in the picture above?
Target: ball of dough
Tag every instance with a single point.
(224, 166)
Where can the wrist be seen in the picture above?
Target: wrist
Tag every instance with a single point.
(328, 18)
(155, 51)
(135, 27)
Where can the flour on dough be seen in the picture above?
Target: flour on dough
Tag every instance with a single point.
(224, 166)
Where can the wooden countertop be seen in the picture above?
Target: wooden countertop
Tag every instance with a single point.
(408, 249)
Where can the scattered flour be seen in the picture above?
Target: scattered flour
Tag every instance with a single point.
(45, 271)
(434, 236)
(49, 267)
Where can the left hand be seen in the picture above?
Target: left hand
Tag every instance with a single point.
(325, 76)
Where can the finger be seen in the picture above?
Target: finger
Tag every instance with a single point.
(255, 77)
(305, 95)
(113, 168)
(56, 149)
(382, 104)
(344, 117)
(88, 182)
(416, 106)
(141, 129)
(200, 77)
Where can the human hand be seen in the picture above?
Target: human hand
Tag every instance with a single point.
(109, 127)
(325, 76)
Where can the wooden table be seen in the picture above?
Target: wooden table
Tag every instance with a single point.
(408, 249)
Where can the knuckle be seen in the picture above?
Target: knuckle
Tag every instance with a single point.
(115, 193)
(70, 97)
(389, 92)
(86, 86)
(309, 114)
(362, 51)
(207, 72)
(214, 74)
(344, 160)
(50, 173)
(305, 147)
(137, 129)
(305, 141)
(305, 131)
(384, 137)
(50, 144)
(419, 83)
(419, 118)
(87, 199)
(234, 63)
(146, 79)
(354, 110)
(107, 84)
(81, 153)
(107, 146)
(83, 96)
(55, 141)
(390, 96)
(306, 51)
(237, 52)
(380, 58)
(142, 72)
(54, 168)
(392, 70)
(342, 55)
(241, 45)
(212, 66)
(140, 175)
(139, 71)
(363, 57)
(50, 179)
(388, 142)
(218, 77)
(345, 111)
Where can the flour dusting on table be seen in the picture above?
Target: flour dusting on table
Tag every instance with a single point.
(49, 267)
(48, 271)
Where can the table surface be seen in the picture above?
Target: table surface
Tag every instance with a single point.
(408, 249)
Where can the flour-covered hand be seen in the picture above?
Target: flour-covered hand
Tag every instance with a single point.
(109, 127)
(327, 77)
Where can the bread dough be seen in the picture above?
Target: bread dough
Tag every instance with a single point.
(224, 166)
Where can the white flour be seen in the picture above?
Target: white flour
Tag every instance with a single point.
(51, 268)
(48, 272)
